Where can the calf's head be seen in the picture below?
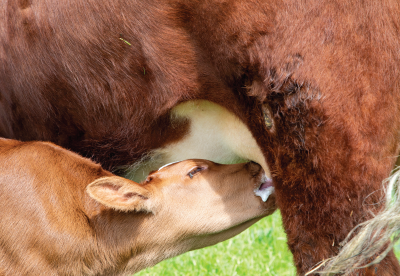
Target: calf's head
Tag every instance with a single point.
(190, 204)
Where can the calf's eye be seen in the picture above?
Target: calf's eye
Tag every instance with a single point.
(194, 171)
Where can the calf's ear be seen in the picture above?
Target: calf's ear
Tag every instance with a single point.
(120, 194)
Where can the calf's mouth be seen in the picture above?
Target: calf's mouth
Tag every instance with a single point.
(265, 186)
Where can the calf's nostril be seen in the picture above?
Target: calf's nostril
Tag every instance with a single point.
(254, 168)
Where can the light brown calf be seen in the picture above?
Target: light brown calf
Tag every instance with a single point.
(62, 214)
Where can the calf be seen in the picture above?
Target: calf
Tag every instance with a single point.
(62, 214)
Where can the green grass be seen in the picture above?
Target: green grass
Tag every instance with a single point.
(260, 250)
(397, 250)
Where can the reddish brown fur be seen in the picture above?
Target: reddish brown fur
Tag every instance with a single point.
(327, 71)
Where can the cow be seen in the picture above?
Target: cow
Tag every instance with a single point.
(369, 242)
(307, 89)
(62, 214)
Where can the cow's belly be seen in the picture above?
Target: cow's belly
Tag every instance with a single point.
(215, 134)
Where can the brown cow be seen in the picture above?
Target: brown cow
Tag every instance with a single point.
(313, 86)
(62, 214)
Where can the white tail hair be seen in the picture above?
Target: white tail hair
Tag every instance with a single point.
(374, 238)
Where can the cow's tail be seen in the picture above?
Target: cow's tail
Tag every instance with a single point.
(374, 238)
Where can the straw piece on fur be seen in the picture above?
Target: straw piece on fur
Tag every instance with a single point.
(375, 237)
